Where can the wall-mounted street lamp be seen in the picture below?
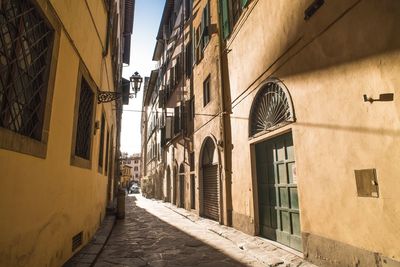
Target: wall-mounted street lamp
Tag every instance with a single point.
(135, 81)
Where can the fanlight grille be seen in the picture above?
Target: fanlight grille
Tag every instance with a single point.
(271, 109)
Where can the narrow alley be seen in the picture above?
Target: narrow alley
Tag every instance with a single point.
(162, 133)
(158, 234)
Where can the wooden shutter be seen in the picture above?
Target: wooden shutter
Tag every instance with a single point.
(189, 59)
(168, 128)
(182, 113)
(225, 19)
(194, 42)
(177, 120)
(161, 98)
(198, 45)
(163, 140)
(205, 22)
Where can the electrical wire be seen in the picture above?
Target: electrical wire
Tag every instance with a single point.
(246, 92)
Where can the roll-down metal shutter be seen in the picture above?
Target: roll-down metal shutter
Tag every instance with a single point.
(211, 192)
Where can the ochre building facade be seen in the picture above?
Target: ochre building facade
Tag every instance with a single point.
(58, 145)
(290, 122)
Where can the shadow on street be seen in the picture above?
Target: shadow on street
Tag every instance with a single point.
(142, 239)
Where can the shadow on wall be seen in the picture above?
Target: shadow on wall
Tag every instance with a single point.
(143, 239)
(341, 34)
(376, 131)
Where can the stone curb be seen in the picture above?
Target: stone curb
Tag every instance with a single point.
(87, 256)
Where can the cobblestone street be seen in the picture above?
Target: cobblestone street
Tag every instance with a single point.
(153, 234)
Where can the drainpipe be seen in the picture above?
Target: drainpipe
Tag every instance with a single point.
(225, 125)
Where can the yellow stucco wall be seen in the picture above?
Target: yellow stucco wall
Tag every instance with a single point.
(327, 71)
(45, 202)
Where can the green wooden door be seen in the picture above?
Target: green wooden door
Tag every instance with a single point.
(277, 191)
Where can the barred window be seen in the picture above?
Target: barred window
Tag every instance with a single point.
(26, 42)
(101, 148)
(206, 91)
(107, 148)
(84, 127)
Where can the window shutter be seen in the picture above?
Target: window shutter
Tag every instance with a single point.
(161, 98)
(194, 47)
(183, 118)
(244, 3)
(168, 128)
(206, 34)
(192, 111)
(163, 136)
(225, 19)
(189, 59)
(176, 120)
(198, 40)
(202, 27)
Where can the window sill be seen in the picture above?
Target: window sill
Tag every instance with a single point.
(81, 162)
(10, 140)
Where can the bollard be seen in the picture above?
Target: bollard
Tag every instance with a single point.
(121, 204)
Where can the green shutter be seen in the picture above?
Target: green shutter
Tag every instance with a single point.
(206, 24)
(225, 18)
(202, 27)
(244, 3)
(194, 42)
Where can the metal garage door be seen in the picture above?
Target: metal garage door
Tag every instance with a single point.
(211, 192)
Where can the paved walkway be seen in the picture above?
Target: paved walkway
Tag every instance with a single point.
(159, 234)
(87, 255)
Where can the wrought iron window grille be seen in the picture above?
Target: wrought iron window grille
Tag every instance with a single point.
(271, 109)
(85, 119)
(26, 42)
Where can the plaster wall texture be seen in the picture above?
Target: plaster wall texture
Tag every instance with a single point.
(207, 122)
(45, 202)
(177, 152)
(347, 49)
(75, 14)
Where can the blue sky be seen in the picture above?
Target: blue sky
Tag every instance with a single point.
(145, 26)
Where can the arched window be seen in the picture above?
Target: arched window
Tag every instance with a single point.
(271, 109)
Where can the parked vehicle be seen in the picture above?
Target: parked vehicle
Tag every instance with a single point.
(134, 189)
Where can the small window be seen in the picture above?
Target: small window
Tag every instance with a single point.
(236, 10)
(101, 145)
(188, 9)
(206, 91)
(205, 25)
(191, 161)
(231, 11)
(191, 109)
(189, 59)
(107, 148)
(85, 121)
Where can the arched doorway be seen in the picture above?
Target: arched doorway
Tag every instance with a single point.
(278, 205)
(182, 186)
(210, 183)
(168, 189)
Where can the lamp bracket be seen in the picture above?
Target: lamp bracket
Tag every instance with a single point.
(105, 97)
